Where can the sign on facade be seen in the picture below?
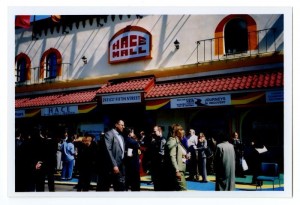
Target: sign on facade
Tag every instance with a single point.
(216, 100)
(59, 110)
(121, 99)
(131, 43)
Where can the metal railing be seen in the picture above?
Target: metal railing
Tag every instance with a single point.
(213, 49)
(35, 73)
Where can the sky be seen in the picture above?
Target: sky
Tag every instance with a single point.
(38, 17)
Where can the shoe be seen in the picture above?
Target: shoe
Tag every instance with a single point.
(63, 179)
(204, 181)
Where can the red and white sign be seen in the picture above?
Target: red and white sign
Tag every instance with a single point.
(130, 43)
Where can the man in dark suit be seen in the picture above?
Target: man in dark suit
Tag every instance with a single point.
(112, 168)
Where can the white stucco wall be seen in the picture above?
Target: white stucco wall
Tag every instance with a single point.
(92, 42)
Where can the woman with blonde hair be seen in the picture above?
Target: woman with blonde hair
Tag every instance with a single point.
(176, 156)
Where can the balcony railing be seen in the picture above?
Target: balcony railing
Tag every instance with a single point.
(35, 73)
(213, 49)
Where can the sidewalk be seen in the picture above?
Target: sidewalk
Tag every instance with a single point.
(242, 184)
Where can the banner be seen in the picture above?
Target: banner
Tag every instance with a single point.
(157, 104)
(215, 100)
(56, 18)
(22, 21)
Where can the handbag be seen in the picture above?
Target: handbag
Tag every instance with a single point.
(244, 164)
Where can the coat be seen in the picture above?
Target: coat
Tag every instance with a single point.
(115, 150)
(225, 167)
(174, 162)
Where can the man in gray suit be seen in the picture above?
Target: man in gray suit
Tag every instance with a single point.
(113, 171)
(224, 164)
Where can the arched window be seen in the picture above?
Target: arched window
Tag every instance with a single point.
(236, 36)
(51, 66)
(236, 31)
(21, 70)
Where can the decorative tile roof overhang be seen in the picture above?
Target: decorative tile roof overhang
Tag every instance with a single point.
(228, 83)
(127, 85)
(79, 97)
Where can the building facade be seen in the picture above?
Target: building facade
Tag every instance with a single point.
(207, 72)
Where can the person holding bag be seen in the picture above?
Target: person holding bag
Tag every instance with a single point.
(239, 153)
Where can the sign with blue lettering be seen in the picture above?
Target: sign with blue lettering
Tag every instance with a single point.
(216, 100)
(274, 96)
(19, 113)
(59, 110)
(121, 99)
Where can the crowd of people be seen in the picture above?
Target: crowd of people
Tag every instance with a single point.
(116, 160)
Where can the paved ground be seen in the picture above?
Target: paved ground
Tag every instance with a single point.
(242, 184)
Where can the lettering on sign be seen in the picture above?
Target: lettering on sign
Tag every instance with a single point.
(121, 99)
(274, 96)
(218, 100)
(59, 110)
(131, 43)
(19, 113)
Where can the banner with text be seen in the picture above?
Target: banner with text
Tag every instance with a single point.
(216, 100)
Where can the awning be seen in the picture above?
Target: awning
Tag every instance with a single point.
(57, 99)
(127, 85)
(229, 83)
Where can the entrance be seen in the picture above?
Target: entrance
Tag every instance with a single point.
(210, 121)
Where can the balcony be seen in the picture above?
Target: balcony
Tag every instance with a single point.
(257, 43)
(36, 78)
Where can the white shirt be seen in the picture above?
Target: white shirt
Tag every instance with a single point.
(192, 140)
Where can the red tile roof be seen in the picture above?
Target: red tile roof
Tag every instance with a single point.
(141, 84)
(219, 84)
(19, 102)
(39, 101)
(78, 97)
(58, 99)
(201, 86)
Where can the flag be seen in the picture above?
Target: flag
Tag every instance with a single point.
(56, 18)
(22, 21)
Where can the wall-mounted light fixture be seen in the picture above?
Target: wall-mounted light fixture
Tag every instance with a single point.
(84, 59)
(176, 43)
